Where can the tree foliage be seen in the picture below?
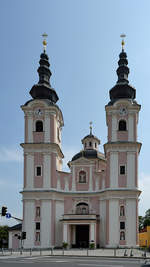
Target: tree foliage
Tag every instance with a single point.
(4, 236)
(144, 220)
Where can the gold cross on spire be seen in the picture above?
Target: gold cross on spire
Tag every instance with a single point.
(44, 35)
(122, 43)
(91, 127)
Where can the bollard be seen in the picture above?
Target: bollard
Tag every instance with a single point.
(144, 254)
(114, 252)
(30, 251)
(63, 251)
(21, 251)
(125, 253)
(131, 253)
(51, 251)
(11, 251)
(2, 251)
(40, 252)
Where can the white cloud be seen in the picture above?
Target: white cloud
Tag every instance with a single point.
(10, 154)
(144, 186)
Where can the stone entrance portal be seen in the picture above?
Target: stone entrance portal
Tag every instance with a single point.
(82, 236)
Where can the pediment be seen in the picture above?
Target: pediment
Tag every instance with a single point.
(82, 161)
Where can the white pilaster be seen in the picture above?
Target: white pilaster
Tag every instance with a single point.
(130, 128)
(65, 226)
(29, 171)
(47, 129)
(58, 228)
(113, 170)
(131, 222)
(113, 223)
(102, 212)
(90, 180)
(30, 130)
(47, 172)
(46, 224)
(92, 232)
(130, 169)
(114, 128)
(29, 224)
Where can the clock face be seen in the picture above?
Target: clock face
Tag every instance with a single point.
(123, 111)
(38, 112)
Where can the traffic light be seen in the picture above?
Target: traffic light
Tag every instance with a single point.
(23, 235)
(4, 211)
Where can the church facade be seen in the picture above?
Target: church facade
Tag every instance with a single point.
(97, 201)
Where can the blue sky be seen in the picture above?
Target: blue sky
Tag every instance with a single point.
(83, 47)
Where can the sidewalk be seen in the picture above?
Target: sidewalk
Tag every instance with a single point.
(125, 253)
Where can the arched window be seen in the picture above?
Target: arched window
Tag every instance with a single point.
(82, 177)
(122, 211)
(82, 208)
(122, 125)
(39, 126)
(90, 143)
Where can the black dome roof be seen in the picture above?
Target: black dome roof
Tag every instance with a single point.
(90, 154)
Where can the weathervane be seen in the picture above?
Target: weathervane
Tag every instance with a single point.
(44, 35)
(122, 43)
(91, 127)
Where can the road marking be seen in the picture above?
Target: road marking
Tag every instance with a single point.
(103, 265)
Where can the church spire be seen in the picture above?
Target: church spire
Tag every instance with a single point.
(122, 89)
(123, 69)
(43, 89)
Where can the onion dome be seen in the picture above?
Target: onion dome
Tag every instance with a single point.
(90, 141)
(89, 154)
(43, 89)
(90, 144)
(122, 89)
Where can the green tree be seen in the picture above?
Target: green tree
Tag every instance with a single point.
(4, 236)
(141, 221)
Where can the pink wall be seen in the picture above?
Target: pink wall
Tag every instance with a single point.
(80, 186)
(38, 161)
(62, 176)
(38, 137)
(95, 204)
(68, 204)
(15, 240)
(109, 127)
(122, 135)
(122, 160)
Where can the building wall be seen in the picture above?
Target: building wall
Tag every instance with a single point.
(29, 224)
(144, 238)
(46, 233)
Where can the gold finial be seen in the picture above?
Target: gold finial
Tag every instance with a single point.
(44, 35)
(91, 127)
(122, 43)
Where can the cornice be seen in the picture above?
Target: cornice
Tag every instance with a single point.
(45, 147)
